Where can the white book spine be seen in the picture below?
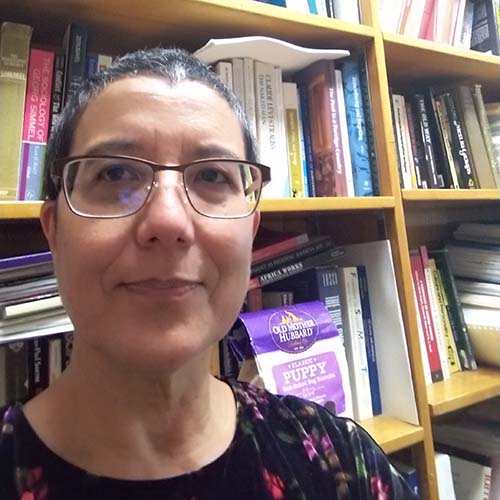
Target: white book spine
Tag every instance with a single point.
(399, 109)
(238, 78)
(347, 10)
(225, 71)
(344, 136)
(355, 344)
(16, 310)
(321, 8)
(55, 359)
(407, 144)
(103, 61)
(249, 90)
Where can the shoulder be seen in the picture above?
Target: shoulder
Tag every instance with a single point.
(336, 446)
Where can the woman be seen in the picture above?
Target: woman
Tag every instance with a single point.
(153, 265)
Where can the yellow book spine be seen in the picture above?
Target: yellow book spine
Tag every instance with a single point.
(449, 340)
(14, 53)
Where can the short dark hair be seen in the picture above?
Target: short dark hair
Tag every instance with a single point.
(171, 64)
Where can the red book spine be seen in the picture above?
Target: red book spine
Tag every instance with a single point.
(418, 276)
(274, 249)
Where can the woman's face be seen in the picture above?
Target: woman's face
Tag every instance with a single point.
(157, 288)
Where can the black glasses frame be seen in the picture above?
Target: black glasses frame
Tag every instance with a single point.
(59, 164)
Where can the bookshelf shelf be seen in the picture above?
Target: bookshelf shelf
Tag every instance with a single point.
(19, 209)
(327, 204)
(463, 389)
(118, 26)
(449, 196)
(392, 434)
(436, 62)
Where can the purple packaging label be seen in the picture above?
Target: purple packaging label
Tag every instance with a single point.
(292, 329)
(316, 378)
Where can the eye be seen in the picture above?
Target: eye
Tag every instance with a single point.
(118, 172)
(212, 174)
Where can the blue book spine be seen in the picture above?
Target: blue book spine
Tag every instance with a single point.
(356, 128)
(91, 65)
(34, 173)
(369, 340)
(306, 127)
(307, 190)
(25, 260)
(312, 6)
(279, 3)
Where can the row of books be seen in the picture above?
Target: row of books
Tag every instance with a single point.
(444, 139)
(466, 24)
(27, 367)
(457, 294)
(346, 10)
(468, 458)
(315, 130)
(34, 85)
(298, 269)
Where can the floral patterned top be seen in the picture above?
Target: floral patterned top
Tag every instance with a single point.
(284, 448)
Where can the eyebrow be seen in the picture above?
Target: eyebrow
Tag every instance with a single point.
(127, 147)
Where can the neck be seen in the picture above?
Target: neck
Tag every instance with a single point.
(169, 423)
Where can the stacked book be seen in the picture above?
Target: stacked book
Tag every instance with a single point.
(30, 304)
(444, 139)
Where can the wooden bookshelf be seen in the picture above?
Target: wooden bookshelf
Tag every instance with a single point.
(445, 197)
(328, 204)
(392, 434)
(463, 389)
(19, 209)
(438, 63)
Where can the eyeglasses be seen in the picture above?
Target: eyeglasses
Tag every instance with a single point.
(119, 186)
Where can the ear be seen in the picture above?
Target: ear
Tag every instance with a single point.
(48, 214)
(256, 223)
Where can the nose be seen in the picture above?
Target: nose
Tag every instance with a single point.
(167, 216)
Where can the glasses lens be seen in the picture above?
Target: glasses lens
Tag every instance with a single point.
(223, 188)
(107, 187)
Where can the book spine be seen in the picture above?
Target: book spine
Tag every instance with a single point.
(14, 48)
(473, 135)
(16, 369)
(355, 345)
(371, 354)
(415, 147)
(430, 157)
(425, 316)
(225, 71)
(55, 358)
(445, 130)
(460, 147)
(90, 65)
(486, 132)
(238, 78)
(38, 371)
(293, 268)
(356, 127)
(36, 122)
(254, 300)
(302, 144)
(76, 58)
(249, 90)
(66, 349)
(306, 126)
(455, 313)
(370, 131)
(274, 249)
(484, 29)
(433, 305)
(25, 260)
(442, 300)
(344, 134)
(290, 101)
(404, 163)
(347, 11)
(57, 90)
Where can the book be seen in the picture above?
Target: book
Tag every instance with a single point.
(371, 353)
(75, 44)
(410, 475)
(455, 313)
(225, 71)
(312, 247)
(329, 167)
(444, 476)
(14, 53)
(356, 127)
(423, 304)
(25, 307)
(25, 260)
(346, 10)
(269, 244)
(484, 28)
(36, 124)
(354, 342)
(249, 90)
(57, 89)
(16, 371)
(38, 365)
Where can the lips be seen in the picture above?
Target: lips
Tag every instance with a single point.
(169, 287)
